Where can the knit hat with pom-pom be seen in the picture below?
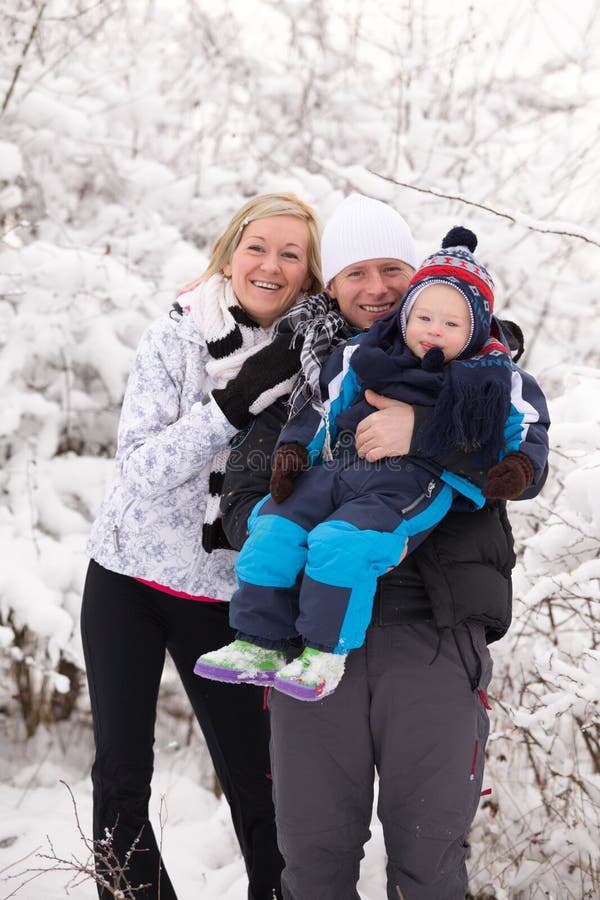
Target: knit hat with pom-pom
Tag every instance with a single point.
(472, 391)
(455, 265)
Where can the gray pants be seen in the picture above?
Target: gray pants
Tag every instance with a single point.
(408, 706)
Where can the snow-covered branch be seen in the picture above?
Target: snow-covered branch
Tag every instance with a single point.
(541, 226)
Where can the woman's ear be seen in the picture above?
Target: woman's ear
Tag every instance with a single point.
(227, 270)
(307, 283)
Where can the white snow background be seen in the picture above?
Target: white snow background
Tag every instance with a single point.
(129, 134)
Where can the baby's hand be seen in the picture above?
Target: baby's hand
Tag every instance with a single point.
(288, 461)
(508, 479)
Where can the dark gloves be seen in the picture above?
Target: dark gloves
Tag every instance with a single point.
(287, 463)
(433, 361)
(263, 378)
(509, 478)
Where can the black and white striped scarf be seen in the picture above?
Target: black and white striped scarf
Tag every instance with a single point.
(318, 322)
(231, 338)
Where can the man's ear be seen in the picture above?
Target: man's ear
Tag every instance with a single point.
(331, 290)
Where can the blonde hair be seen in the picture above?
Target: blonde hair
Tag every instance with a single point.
(262, 207)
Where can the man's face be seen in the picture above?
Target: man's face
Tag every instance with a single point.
(368, 290)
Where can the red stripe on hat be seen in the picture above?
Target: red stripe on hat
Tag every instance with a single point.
(460, 274)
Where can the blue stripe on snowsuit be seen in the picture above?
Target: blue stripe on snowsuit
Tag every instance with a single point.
(513, 430)
(349, 391)
(274, 553)
(465, 487)
(434, 512)
(256, 510)
(345, 388)
(343, 555)
(315, 447)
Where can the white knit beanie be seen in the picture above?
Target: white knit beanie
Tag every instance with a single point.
(362, 228)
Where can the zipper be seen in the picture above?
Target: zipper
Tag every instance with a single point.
(474, 763)
(425, 495)
(117, 526)
(416, 502)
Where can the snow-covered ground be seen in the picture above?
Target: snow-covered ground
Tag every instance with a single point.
(199, 844)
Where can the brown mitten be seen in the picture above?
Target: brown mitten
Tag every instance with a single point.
(509, 478)
(288, 461)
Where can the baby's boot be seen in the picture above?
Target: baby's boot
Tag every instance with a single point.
(241, 663)
(312, 676)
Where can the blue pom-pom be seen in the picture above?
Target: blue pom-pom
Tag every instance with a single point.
(460, 237)
(433, 361)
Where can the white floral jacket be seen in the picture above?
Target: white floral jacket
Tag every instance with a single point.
(150, 524)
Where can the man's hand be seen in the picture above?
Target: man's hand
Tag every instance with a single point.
(387, 432)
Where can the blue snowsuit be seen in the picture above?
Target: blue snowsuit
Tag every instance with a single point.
(311, 563)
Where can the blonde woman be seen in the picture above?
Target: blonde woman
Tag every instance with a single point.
(161, 569)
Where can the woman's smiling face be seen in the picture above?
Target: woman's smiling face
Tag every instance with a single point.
(269, 267)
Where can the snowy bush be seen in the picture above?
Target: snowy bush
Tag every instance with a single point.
(540, 827)
(132, 131)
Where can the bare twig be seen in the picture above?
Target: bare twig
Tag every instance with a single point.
(18, 862)
(517, 220)
(24, 53)
(36, 874)
(163, 816)
(103, 865)
(76, 15)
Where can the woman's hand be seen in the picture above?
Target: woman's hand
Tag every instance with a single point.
(387, 432)
(263, 378)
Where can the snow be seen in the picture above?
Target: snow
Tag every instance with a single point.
(11, 161)
(130, 135)
(199, 843)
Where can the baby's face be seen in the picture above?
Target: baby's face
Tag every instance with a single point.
(440, 317)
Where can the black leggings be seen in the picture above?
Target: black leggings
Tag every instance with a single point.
(126, 627)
